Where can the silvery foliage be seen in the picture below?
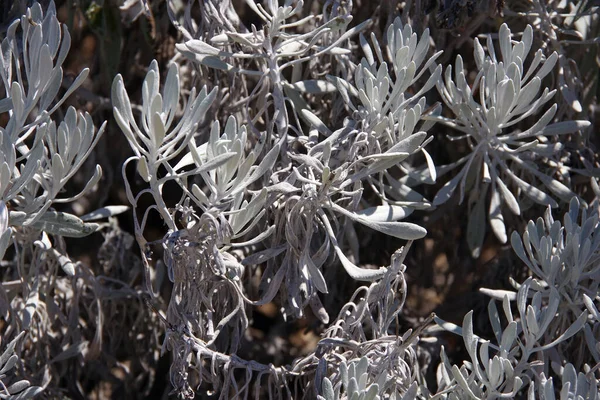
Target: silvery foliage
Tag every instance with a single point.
(556, 331)
(207, 295)
(391, 106)
(353, 379)
(360, 355)
(252, 205)
(332, 166)
(547, 17)
(38, 156)
(503, 94)
(268, 52)
(18, 390)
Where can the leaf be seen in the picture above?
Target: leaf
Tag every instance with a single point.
(241, 182)
(142, 168)
(496, 218)
(57, 223)
(385, 213)
(562, 128)
(547, 66)
(462, 382)
(327, 389)
(372, 392)
(401, 230)
(410, 144)
(444, 194)
(508, 197)
(494, 318)
(355, 272)
(430, 166)
(572, 330)
(274, 285)
(8, 352)
(382, 162)
(517, 245)
(5, 230)
(283, 187)
(250, 210)
(506, 97)
(478, 54)
(104, 212)
(202, 48)
(316, 122)
(505, 45)
(6, 104)
(263, 255)
(556, 187)
(589, 304)
(65, 262)
(499, 294)
(469, 336)
(28, 393)
(315, 274)
(215, 162)
(18, 386)
(476, 226)
(508, 337)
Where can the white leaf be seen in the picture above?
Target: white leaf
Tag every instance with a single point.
(385, 213)
(476, 227)
(401, 230)
(496, 218)
(104, 212)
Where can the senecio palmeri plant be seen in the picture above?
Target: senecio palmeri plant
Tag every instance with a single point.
(556, 331)
(37, 158)
(263, 199)
(279, 175)
(505, 92)
(52, 308)
(294, 205)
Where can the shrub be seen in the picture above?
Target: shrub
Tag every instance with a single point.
(280, 165)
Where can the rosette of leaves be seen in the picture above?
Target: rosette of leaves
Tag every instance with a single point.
(557, 322)
(489, 114)
(390, 106)
(31, 69)
(564, 258)
(505, 369)
(158, 140)
(567, 29)
(37, 158)
(220, 181)
(234, 171)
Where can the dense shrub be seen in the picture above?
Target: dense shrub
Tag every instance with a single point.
(285, 145)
